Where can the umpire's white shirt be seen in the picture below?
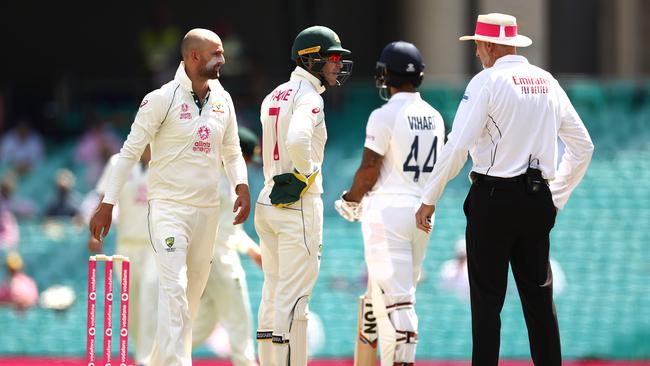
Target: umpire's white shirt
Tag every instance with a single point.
(294, 131)
(188, 144)
(509, 112)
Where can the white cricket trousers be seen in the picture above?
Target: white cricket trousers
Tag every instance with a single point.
(394, 250)
(225, 301)
(291, 243)
(183, 241)
(143, 291)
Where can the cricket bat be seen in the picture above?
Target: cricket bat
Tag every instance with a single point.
(365, 349)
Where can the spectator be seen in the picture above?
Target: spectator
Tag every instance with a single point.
(21, 147)
(9, 233)
(66, 203)
(20, 207)
(19, 290)
(95, 147)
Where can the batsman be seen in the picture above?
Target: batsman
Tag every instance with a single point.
(289, 211)
(403, 140)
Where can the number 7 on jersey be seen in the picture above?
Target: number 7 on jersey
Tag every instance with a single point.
(275, 111)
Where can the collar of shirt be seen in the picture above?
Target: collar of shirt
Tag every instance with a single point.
(510, 58)
(404, 96)
(182, 78)
(299, 72)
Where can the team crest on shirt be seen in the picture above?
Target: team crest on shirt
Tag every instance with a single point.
(170, 243)
(184, 112)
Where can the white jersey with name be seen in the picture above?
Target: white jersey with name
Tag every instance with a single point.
(188, 144)
(294, 133)
(409, 133)
(510, 113)
(132, 225)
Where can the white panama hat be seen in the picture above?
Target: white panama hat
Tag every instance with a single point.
(498, 28)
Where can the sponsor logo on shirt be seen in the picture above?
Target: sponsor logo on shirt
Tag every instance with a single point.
(465, 97)
(217, 107)
(204, 132)
(141, 195)
(144, 103)
(315, 110)
(202, 145)
(184, 113)
(531, 84)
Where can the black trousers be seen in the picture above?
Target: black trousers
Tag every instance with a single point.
(507, 225)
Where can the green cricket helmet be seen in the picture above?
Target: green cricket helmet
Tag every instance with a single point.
(317, 44)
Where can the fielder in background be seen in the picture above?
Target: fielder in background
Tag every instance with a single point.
(191, 125)
(403, 140)
(225, 299)
(133, 242)
(509, 120)
(289, 212)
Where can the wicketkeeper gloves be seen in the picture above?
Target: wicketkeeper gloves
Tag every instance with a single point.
(350, 211)
(288, 188)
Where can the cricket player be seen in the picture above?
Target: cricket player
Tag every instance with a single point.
(289, 214)
(133, 242)
(403, 140)
(225, 299)
(191, 125)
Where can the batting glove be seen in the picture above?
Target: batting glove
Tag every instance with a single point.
(348, 210)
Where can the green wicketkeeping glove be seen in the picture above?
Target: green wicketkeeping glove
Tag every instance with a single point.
(288, 188)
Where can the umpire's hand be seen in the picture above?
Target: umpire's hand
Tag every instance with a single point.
(100, 223)
(423, 217)
(242, 203)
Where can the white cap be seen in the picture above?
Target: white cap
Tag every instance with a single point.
(498, 28)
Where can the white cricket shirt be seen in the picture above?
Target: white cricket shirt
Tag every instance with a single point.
(409, 133)
(188, 144)
(231, 239)
(509, 112)
(293, 130)
(133, 207)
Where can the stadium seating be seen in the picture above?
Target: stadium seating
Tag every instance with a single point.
(601, 239)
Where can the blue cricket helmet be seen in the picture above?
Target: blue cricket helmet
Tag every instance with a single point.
(400, 63)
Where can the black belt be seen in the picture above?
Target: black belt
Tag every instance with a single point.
(478, 177)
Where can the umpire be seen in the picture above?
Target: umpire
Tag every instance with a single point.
(509, 120)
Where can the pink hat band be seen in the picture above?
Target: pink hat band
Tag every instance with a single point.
(495, 30)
